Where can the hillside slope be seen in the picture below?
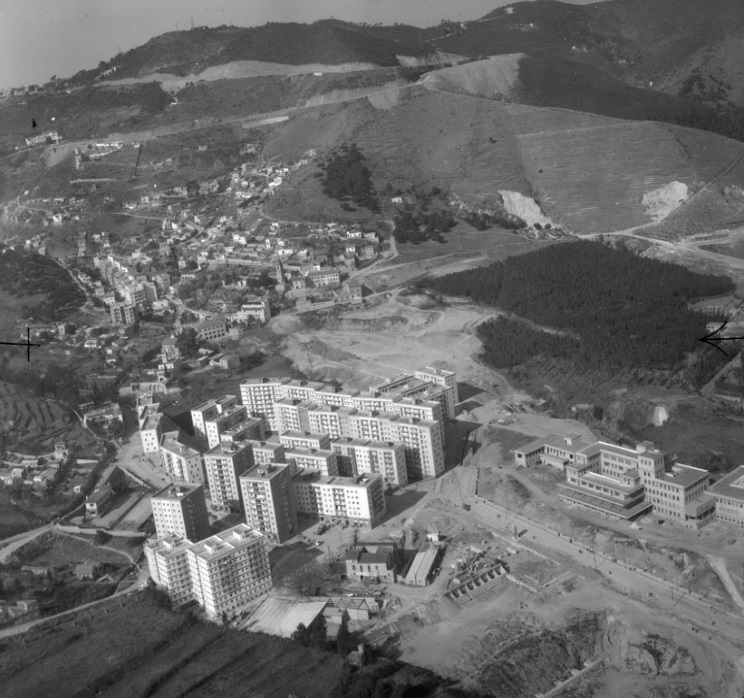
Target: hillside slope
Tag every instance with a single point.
(587, 172)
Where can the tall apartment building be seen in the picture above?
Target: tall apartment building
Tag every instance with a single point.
(152, 427)
(421, 438)
(291, 414)
(233, 420)
(445, 379)
(267, 502)
(325, 462)
(728, 494)
(258, 396)
(359, 500)
(356, 457)
(229, 569)
(181, 462)
(181, 510)
(123, 314)
(209, 410)
(265, 452)
(330, 419)
(306, 439)
(224, 464)
(169, 566)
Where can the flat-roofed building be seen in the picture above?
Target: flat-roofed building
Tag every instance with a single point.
(680, 495)
(265, 452)
(152, 427)
(554, 449)
(266, 501)
(385, 458)
(291, 414)
(359, 500)
(728, 494)
(312, 459)
(305, 439)
(330, 419)
(445, 379)
(181, 462)
(258, 396)
(229, 569)
(224, 464)
(169, 566)
(180, 509)
(421, 439)
(233, 419)
(209, 410)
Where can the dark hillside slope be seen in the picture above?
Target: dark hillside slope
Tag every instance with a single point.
(328, 41)
(665, 42)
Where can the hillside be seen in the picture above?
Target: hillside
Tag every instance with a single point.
(326, 42)
(488, 146)
(158, 653)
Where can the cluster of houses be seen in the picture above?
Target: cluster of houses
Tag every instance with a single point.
(36, 471)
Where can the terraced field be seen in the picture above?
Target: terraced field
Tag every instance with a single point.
(28, 416)
(709, 154)
(592, 179)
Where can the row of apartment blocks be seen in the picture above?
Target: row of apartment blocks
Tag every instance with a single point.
(221, 573)
(627, 483)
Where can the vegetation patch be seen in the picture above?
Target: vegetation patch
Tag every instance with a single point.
(345, 177)
(621, 310)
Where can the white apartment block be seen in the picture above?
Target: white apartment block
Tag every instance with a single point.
(265, 452)
(421, 438)
(445, 379)
(209, 410)
(151, 429)
(680, 495)
(233, 420)
(258, 396)
(267, 503)
(356, 457)
(325, 462)
(229, 569)
(299, 439)
(181, 462)
(359, 500)
(224, 464)
(728, 494)
(169, 567)
(180, 510)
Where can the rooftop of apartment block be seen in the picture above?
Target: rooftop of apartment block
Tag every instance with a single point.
(175, 491)
(227, 541)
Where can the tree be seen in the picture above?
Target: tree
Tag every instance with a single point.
(308, 579)
(188, 344)
(345, 640)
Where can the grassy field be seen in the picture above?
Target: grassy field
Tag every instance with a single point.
(68, 550)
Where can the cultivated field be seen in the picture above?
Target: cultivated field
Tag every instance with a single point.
(587, 193)
(131, 646)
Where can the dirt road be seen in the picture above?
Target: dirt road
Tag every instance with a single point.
(699, 611)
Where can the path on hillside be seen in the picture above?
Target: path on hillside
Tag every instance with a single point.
(721, 569)
(20, 540)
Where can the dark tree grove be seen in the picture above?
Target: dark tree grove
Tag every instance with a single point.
(345, 176)
(619, 310)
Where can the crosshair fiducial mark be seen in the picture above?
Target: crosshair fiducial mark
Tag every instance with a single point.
(26, 344)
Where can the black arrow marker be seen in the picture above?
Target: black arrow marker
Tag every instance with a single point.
(26, 344)
(710, 339)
